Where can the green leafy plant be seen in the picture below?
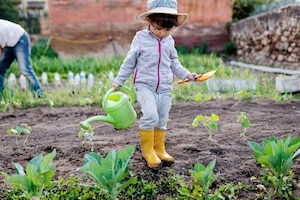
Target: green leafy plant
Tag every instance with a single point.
(203, 178)
(210, 123)
(277, 156)
(109, 172)
(19, 130)
(202, 98)
(39, 173)
(245, 122)
(204, 175)
(71, 188)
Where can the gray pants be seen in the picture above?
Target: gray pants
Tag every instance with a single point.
(155, 107)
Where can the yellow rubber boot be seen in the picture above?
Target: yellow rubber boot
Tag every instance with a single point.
(148, 153)
(159, 146)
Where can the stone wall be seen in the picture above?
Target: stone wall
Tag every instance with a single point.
(106, 27)
(271, 38)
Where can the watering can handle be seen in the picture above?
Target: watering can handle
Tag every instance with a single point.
(122, 89)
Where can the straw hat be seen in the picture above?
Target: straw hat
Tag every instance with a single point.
(165, 7)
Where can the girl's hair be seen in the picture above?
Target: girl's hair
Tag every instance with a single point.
(164, 20)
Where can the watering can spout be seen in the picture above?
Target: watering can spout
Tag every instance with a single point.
(119, 110)
(99, 118)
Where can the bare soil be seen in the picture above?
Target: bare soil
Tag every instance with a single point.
(189, 145)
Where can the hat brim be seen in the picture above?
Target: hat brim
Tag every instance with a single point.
(182, 17)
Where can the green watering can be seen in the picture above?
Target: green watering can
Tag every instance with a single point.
(118, 107)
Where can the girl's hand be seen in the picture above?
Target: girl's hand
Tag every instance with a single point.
(192, 77)
(116, 86)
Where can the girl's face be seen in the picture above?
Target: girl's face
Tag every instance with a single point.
(159, 31)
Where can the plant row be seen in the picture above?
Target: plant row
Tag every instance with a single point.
(110, 178)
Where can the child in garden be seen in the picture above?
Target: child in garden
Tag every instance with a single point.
(153, 60)
(15, 44)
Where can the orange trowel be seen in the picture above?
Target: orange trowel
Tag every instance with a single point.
(200, 77)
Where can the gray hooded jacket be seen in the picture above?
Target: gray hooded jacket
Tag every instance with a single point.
(154, 62)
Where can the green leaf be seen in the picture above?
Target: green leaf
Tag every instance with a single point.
(195, 123)
(255, 146)
(129, 182)
(92, 157)
(213, 126)
(199, 167)
(32, 167)
(43, 179)
(199, 118)
(246, 123)
(214, 117)
(81, 133)
(109, 172)
(295, 141)
(268, 150)
(94, 170)
(19, 181)
(46, 163)
(269, 162)
(296, 154)
(19, 168)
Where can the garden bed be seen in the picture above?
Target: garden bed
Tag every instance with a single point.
(58, 129)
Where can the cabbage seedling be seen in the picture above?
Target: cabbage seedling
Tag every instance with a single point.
(204, 175)
(277, 156)
(109, 172)
(203, 178)
(38, 175)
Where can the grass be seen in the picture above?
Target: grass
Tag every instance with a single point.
(64, 95)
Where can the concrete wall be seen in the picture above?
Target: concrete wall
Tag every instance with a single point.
(106, 27)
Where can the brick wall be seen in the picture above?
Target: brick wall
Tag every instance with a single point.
(104, 27)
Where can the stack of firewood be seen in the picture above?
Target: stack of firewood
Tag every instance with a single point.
(273, 36)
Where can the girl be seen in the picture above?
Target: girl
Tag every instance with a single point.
(153, 60)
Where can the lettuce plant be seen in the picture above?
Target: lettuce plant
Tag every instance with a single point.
(277, 156)
(109, 172)
(39, 173)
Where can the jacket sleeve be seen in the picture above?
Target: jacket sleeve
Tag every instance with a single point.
(176, 66)
(129, 62)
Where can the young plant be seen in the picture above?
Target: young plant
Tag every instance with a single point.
(210, 123)
(202, 98)
(204, 175)
(19, 130)
(39, 173)
(88, 135)
(245, 122)
(203, 178)
(109, 172)
(277, 156)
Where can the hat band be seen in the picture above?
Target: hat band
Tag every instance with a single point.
(163, 10)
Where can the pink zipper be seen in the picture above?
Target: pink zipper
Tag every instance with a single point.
(158, 65)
